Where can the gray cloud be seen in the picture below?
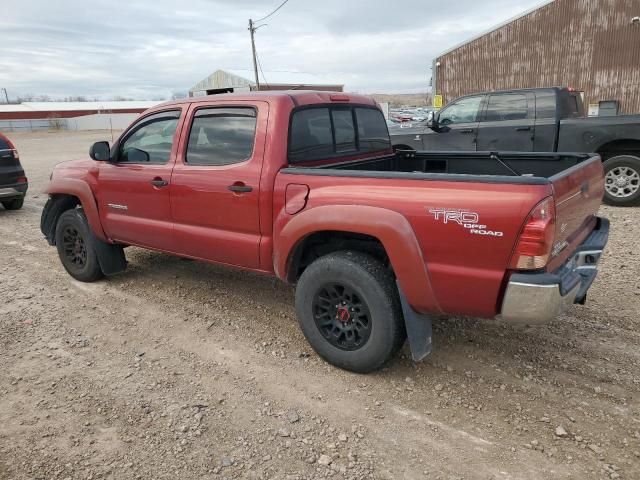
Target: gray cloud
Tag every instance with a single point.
(150, 48)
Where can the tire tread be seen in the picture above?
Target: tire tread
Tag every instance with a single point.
(77, 217)
(633, 200)
(370, 269)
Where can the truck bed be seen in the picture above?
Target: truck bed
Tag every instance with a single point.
(508, 167)
(500, 188)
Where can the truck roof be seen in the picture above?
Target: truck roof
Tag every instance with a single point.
(527, 89)
(298, 97)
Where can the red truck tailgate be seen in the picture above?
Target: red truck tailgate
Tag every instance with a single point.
(577, 192)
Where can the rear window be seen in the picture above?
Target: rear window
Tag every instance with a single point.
(372, 129)
(3, 144)
(345, 130)
(570, 107)
(319, 133)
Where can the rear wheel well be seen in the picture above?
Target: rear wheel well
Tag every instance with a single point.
(319, 244)
(619, 147)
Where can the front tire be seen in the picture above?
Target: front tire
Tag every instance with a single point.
(622, 181)
(15, 204)
(349, 310)
(76, 246)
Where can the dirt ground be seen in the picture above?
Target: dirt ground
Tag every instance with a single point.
(183, 370)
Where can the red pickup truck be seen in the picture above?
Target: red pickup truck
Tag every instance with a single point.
(305, 186)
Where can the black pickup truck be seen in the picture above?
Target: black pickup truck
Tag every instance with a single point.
(534, 120)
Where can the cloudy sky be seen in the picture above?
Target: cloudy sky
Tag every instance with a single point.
(151, 48)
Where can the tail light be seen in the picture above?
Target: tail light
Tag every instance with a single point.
(22, 180)
(536, 238)
(11, 146)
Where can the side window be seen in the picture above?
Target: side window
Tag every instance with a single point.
(221, 136)
(506, 106)
(545, 104)
(310, 136)
(151, 140)
(464, 110)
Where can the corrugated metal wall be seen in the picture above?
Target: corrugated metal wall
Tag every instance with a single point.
(590, 45)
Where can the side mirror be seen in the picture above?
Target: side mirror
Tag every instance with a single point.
(100, 151)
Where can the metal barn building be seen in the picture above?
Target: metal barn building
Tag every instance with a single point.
(228, 81)
(590, 45)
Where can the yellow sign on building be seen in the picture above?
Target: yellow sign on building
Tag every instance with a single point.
(437, 101)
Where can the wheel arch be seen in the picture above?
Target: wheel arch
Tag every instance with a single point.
(386, 234)
(69, 193)
(323, 242)
(619, 147)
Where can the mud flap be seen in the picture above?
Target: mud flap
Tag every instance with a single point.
(418, 329)
(110, 257)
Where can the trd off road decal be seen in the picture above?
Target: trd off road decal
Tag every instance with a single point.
(465, 218)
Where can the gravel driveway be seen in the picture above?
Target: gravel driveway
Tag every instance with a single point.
(182, 370)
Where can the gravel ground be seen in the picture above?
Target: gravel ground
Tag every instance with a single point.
(179, 370)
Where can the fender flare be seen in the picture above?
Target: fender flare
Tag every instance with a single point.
(81, 190)
(392, 229)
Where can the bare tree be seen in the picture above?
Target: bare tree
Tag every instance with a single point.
(55, 122)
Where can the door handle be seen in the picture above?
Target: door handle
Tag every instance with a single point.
(239, 187)
(523, 129)
(159, 182)
(466, 130)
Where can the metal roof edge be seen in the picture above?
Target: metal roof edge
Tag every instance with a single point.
(493, 29)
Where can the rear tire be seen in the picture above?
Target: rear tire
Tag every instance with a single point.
(622, 181)
(15, 204)
(349, 310)
(76, 246)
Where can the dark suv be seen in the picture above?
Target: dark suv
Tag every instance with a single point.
(13, 182)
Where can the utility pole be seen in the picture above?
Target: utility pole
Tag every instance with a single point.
(6, 95)
(252, 30)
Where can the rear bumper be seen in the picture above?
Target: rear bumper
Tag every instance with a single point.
(17, 190)
(540, 297)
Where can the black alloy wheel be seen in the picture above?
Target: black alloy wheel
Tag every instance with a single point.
(348, 307)
(77, 246)
(342, 316)
(74, 247)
